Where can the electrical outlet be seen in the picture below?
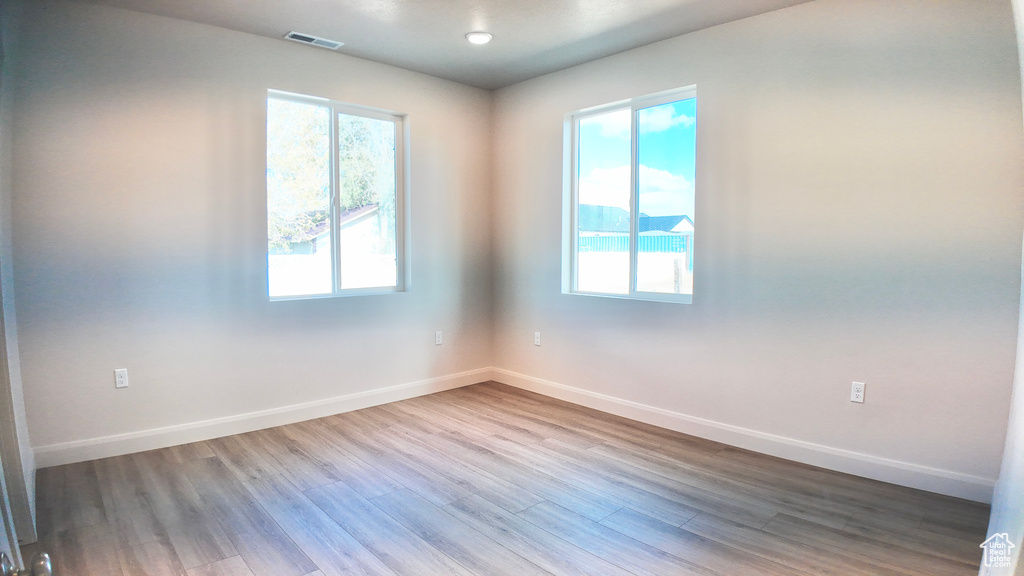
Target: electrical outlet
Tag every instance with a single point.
(536, 338)
(857, 392)
(121, 378)
(437, 338)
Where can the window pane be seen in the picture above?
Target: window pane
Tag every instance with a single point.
(603, 185)
(367, 196)
(298, 198)
(666, 136)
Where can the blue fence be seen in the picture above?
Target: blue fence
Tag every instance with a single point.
(660, 243)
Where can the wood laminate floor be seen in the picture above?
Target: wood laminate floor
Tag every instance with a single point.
(487, 480)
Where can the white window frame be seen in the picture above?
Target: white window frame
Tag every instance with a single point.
(570, 197)
(401, 200)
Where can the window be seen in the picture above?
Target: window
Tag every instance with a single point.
(630, 198)
(334, 198)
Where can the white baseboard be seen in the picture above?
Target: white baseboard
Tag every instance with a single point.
(893, 471)
(103, 447)
(903, 473)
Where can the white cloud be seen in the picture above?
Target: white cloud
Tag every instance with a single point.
(606, 187)
(612, 124)
(657, 119)
(661, 118)
(662, 193)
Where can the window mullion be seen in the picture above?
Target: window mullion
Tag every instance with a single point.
(335, 202)
(634, 200)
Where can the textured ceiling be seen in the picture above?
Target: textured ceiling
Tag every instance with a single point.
(531, 37)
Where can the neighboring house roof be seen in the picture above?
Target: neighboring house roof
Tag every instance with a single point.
(354, 214)
(685, 225)
(681, 223)
(315, 231)
(345, 218)
(609, 219)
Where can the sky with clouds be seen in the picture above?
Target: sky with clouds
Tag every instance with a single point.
(666, 149)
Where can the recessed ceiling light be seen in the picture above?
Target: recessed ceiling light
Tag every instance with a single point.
(479, 37)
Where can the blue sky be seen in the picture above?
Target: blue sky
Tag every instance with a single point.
(666, 152)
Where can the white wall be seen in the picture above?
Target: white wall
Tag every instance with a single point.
(859, 217)
(15, 449)
(140, 234)
(1008, 500)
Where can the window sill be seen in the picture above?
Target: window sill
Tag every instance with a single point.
(641, 296)
(345, 294)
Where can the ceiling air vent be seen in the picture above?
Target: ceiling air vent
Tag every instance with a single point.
(314, 40)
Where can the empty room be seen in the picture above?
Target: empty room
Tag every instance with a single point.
(587, 287)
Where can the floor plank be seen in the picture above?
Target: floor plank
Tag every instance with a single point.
(714, 485)
(156, 558)
(87, 551)
(74, 499)
(601, 541)
(755, 514)
(243, 458)
(233, 566)
(488, 480)
(473, 453)
(798, 555)
(265, 547)
(330, 548)
(593, 479)
(530, 541)
(693, 548)
(126, 503)
(194, 533)
(460, 542)
(188, 452)
(364, 445)
(889, 552)
(397, 546)
(284, 449)
(501, 492)
(368, 480)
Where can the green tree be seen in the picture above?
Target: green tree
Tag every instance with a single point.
(298, 171)
(366, 169)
